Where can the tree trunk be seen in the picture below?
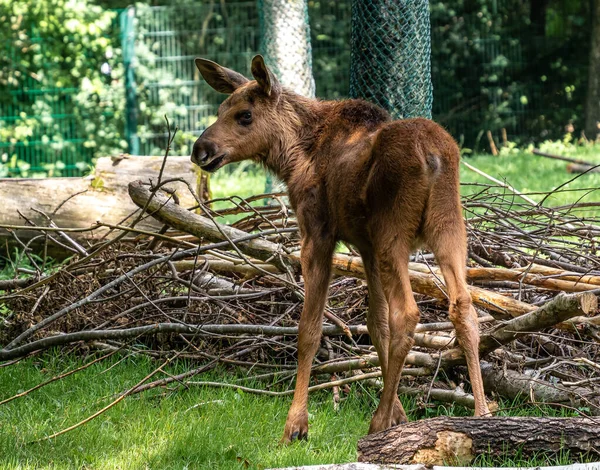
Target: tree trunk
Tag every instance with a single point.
(446, 440)
(538, 16)
(390, 61)
(286, 43)
(592, 120)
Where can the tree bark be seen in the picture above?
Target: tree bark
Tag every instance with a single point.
(576, 168)
(446, 440)
(286, 43)
(592, 118)
(99, 197)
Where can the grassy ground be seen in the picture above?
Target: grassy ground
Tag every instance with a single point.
(529, 173)
(196, 428)
(216, 428)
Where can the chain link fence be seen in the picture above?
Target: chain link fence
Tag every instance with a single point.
(390, 55)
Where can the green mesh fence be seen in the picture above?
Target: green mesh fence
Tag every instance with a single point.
(482, 78)
(168, 38)
(391, 50)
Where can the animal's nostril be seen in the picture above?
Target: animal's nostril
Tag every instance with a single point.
(201, 156)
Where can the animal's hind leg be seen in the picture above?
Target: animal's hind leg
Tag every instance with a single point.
(449, 246)
(403, 318)
(377, 323)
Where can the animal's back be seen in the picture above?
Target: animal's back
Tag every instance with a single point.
(342, 160)
(374, 165)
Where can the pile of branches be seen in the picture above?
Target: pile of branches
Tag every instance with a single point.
(220, 284)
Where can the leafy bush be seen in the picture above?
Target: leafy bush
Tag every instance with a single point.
(62, 98)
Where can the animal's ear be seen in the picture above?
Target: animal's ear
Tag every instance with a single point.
(220, 78)
(267, 81)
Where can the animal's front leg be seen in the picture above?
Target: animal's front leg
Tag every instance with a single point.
(316, 269)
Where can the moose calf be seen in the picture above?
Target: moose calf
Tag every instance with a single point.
(352, 174)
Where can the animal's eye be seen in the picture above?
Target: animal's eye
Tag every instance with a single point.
(245, 118)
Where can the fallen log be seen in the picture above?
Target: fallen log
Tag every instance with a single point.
(451, 441)
(82, 202)
(577, 168)
(561, 157)
(514, 385)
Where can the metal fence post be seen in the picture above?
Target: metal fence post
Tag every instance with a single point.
(127, 20)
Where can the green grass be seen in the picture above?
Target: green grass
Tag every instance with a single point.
(195, 428)
(242, 180)
(530, 173)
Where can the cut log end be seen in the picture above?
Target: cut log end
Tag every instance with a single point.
(458, 441)
(588, 303)
(449, 447)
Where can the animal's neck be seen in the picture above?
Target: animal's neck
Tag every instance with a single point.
(291, 151)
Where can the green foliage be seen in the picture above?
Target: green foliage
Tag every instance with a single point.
(491, 71)
(62, 74)
(62, 99)
(167, 40)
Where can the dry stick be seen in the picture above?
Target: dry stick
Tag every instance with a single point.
(549, 272)
(107, 407)
(562, 185)
(517, 275)
(423, 340)
(175, 378)
(492, 143)
(86, 300)
(557, 310)
(211, 229)
(457, 396)
(124, 333)
(450, 396)
(199, 370)
(121, 279)
(81, 250)
(323, 386)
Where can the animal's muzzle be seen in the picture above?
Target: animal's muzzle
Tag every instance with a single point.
(203, 151)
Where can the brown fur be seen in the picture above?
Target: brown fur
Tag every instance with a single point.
(355, 175)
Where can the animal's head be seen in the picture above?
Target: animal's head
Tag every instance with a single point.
(244, 126)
